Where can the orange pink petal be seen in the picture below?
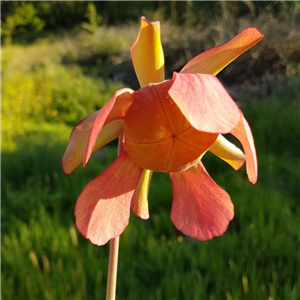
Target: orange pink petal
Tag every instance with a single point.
(216, 59)
(200, 209)
(114, 109)
(204, 102)
(103, 208)
(73, 155)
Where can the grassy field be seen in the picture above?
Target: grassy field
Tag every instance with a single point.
(44, 257)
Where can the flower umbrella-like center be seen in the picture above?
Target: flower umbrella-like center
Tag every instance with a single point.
(157, 135)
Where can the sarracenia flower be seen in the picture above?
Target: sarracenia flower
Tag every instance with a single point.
(165, 126)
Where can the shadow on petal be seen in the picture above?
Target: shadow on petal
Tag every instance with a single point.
(116, 108)
(73, 155)
(102, 210)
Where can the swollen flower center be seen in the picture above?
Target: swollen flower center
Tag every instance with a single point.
(157, 135)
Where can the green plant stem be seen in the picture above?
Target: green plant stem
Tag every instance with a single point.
(112, 269)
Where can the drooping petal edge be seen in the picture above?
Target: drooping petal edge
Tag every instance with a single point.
(114, 109)
(200, 208)
(103, 208)
(243, 133)
(73, 155)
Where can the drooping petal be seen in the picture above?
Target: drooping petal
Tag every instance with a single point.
(243, 133)
(73, 155)
(216, 59)
(102, 210)
(228, 152)
(114, 109)
(200, 209)
(204, 102)
(139, 201)
(147, 54)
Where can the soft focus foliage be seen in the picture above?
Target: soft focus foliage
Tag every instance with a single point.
(94, 20)
(41, 96)
(23, 19)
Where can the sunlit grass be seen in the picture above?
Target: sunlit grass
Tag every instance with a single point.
(52, 93)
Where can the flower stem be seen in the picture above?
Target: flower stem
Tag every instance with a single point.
(113, 252)
(112, 269)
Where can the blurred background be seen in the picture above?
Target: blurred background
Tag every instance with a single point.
(62, 60)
